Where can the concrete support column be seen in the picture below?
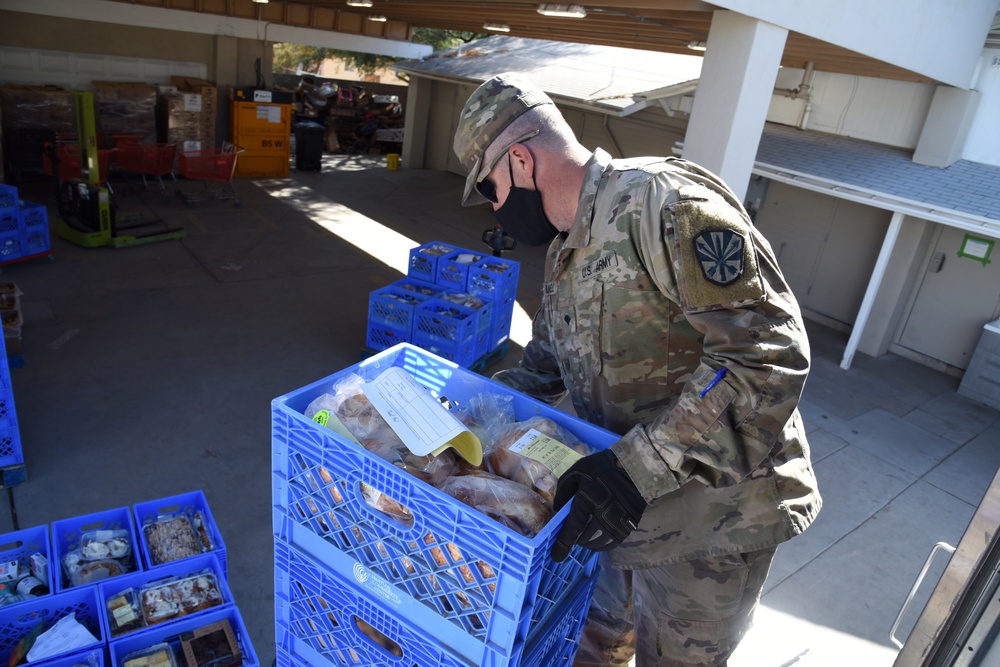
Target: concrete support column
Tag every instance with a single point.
(418, 109)
(734, 93)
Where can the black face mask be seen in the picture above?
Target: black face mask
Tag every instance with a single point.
(523, 216)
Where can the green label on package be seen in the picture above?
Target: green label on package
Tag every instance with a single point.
(332, 422)
(551, 453)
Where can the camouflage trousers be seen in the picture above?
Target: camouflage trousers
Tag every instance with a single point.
(690, 613)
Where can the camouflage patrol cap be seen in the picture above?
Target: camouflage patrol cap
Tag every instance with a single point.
(487, 113)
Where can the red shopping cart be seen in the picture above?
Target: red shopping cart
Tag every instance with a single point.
(67, 156)
(214, 168)
(147, 159)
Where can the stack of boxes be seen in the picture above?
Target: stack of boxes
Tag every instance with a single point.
(24, 227)
(189, 112)
(454, 302)
(449, 586)
(125, 109)
(148, 583)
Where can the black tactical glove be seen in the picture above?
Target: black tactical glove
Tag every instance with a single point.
(606, 504)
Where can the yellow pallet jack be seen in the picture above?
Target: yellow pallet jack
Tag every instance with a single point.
(86, 213)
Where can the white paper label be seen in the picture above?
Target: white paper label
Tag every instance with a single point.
(262, 96)
(192, 102)
(420, 421)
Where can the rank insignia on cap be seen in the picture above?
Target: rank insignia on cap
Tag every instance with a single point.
(720, 255)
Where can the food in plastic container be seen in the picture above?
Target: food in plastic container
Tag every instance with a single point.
(103, 544)
(175, 536)
(168, 599)
(124, 614)
(509, 503)
(158, 655)
(87, 572)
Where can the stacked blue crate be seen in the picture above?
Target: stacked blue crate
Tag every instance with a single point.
(185, 514)
(495, 279)
(24, 227)
(450, 587)
(10, 436)
(470, 279)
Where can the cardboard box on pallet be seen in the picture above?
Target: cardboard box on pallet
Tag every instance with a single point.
(40, 107)
(126, 108)
(189, 114)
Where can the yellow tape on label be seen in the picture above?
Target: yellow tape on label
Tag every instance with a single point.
(551, 453)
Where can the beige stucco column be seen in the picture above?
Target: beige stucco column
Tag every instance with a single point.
(734, 92)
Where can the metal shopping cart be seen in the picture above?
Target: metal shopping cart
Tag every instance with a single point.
(214, 168)
(147, 159)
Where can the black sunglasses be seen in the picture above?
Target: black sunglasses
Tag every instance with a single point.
(488, 188)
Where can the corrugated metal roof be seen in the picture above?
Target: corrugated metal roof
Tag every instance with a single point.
(966, 187)
(606, 76)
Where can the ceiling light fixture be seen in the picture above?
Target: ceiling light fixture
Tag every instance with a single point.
(563, 11)
(261, 2)
(378, 17)
(496, 27)
(359, 3)
(697, 46)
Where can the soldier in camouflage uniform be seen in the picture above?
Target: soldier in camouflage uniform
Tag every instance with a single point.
(666, 319)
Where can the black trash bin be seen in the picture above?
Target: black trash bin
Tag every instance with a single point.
(309, 146)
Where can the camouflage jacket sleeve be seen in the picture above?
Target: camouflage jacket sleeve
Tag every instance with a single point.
(538, 373)
(726, 422)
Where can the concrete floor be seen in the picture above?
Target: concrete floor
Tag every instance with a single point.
(149, 372)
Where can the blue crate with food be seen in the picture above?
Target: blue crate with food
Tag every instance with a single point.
(448, 330)
(468, 542)
(321, 614)
(216, 638)
(424, 260)
(11, 244)
(163, 594)
(453, 269)
(94, 657)
(93, 547)
(495, 278)
(394, 306)
(177, 527)
(25, 566)
(61, 625)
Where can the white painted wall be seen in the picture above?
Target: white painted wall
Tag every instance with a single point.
(983, 144)
(77, 71)
(879, 110)
(940, 39)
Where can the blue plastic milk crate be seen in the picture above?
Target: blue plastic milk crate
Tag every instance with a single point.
(449, 330)
(67, 535)
(10, 220)
(17, 620)
(495, 278)
(93, 657)
(394, 306)
(321, 614)
(424, 260)
(453, 269)
(185, 516)
(177, 571)
(20, 545)
(8, 196)
(173, 633)
(382, 338)
(465, 570)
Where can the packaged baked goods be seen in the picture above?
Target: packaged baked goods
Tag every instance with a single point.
(158, 655)
(507, 502)
(534, 453)
(103, 544)
(175, 536)
(167, 599)
(124, 614)
(96, 570)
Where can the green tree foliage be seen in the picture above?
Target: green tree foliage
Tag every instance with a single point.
(290, 57)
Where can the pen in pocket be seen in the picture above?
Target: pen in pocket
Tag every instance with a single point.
(715, 380)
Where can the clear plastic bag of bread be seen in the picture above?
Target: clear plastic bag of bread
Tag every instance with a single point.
(495, 414)
(358, 415)
(508, 502)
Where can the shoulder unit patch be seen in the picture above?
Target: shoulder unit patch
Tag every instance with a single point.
(720, 254)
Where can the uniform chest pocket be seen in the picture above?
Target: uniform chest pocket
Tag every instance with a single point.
(634, 334)
(574, 314)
